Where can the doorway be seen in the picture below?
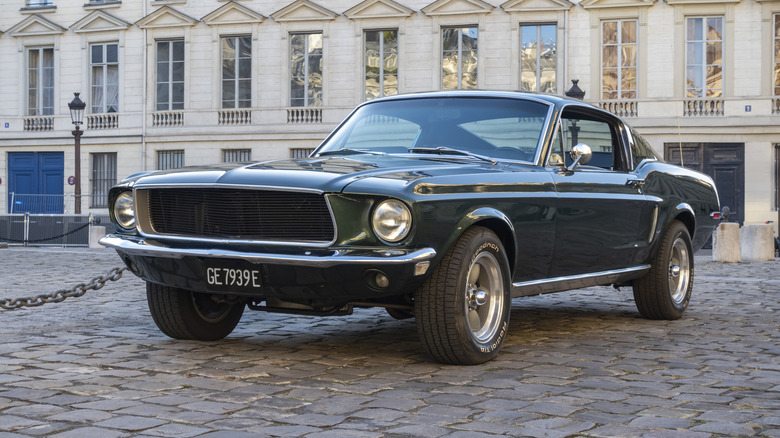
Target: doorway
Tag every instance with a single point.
(35, 182)
(724, 162)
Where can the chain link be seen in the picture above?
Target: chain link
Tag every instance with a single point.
(59, 296)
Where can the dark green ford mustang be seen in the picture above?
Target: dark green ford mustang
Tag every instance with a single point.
(438, 206)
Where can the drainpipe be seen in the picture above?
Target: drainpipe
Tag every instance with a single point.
(143, 96)
(565, 45)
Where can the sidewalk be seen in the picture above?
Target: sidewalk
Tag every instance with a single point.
(580, 363)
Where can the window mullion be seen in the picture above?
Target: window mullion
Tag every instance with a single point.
(39, 84)
(703, 58)
(236, 71)
(538, 58)
(460, 59)
(619, 66)
(306, 78)
(104, 86)
(381, 64)
(170, 76)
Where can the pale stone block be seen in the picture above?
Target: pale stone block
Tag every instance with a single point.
(726, 243)
(95, 233)
(758, 242)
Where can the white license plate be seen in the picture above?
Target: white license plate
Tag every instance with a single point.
(230, 278)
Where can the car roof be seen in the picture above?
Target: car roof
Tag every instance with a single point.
(558, 101)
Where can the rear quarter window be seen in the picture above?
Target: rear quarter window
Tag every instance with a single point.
(641, 150)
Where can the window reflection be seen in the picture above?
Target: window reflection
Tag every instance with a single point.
(704, 57)
(618, 59)
(538, 58)
(777, 55)
(381, 63)
(306, 69)
(459, 58)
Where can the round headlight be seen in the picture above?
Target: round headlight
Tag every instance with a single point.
(392, 220)
(124, 210)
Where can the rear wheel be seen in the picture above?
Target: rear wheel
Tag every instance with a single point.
(462, 311)
(183, 314)
(664, 293)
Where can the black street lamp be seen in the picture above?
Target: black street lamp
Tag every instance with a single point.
(76, 107)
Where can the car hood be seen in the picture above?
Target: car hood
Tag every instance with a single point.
(351, 174)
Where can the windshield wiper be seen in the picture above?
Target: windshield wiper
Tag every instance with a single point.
(447, 150)
(352, 151)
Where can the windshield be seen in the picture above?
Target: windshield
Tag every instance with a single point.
(507, 129)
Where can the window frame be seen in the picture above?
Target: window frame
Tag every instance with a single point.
(382, 54)
(459, 51)
(105, 163)
(538, 71)
(103, 65)
(308, 100)
(621, 156)
(237, 79)
(301, 152)
(776, 55)
(170, 103)
(38, 4)
(619, 66)
(40, 89)
(777, 178)
(238, 155)
(704, 94)
(173, 159)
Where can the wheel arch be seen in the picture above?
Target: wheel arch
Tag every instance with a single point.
(497, 222)
(685, 214)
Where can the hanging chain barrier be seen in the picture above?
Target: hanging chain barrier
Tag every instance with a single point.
(45, 239)
(91, 220)
(59, 296)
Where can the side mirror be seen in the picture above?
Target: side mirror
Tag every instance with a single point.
(580, 155)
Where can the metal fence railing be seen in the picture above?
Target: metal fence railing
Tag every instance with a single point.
(48, 229)
(52, 204)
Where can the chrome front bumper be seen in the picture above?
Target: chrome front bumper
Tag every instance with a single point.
(315, 258)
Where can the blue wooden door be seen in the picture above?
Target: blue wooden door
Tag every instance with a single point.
(35, 182)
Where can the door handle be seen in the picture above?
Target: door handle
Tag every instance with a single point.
(638, 183)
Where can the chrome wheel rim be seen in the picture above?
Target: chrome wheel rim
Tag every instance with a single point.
(484, 303)
(679, 274)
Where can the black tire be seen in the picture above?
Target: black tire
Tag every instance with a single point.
(183, 314)
(462, 311)
(664, 293)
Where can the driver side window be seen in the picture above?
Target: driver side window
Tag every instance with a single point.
(598, 134)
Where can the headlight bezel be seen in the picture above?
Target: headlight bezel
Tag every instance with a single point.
(391, 221)
(124, 215)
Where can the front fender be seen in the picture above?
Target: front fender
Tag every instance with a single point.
(490, 218)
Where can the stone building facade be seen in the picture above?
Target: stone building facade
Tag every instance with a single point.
(187, 82)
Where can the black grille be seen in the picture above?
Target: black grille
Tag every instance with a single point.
(240, 214)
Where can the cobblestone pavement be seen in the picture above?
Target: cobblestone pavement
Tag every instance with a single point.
(579, 363)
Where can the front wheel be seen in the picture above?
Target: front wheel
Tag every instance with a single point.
(665, 291)
(462, 311)
(183, 314)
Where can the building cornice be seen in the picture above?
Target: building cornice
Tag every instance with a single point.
(99, 21)
(303, 10)
(536, 5)
(457, 7)
(166, 16)
(378, 9)
(35, 25)
(233, 13)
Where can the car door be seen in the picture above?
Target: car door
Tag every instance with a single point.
(602, 217)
